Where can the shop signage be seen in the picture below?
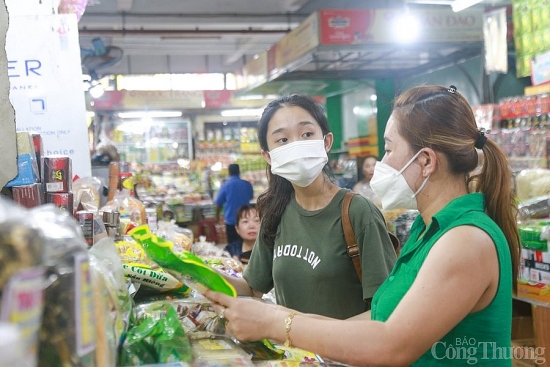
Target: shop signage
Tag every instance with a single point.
(148, 100)
(297, 43)
(254, 72)
(160, 99)
(331, 30)
(370, 26)
(218, 98)
(46, 84)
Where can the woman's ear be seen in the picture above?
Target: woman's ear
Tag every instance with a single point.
(428, 160)
(266, 156)
(329, 140)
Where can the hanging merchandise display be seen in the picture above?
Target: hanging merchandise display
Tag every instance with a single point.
(520, 128)
(530, 19)
(495, 41)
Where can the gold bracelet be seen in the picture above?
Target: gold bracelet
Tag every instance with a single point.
(288, 322)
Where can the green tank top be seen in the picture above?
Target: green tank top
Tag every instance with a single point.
(480, 339)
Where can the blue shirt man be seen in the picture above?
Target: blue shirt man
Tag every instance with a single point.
(234, 193)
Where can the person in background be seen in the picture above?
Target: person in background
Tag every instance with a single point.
(234, 193)
(452, 285)
(301, 251)
(363, 187)
(247, 226)
(105, 154)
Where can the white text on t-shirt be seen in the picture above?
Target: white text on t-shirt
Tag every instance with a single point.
(296, 251)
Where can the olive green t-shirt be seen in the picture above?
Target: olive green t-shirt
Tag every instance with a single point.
(481, 338)
(309, 267)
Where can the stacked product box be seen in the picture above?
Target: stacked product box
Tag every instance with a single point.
(26, 187)
(534, 273)
(57, 181)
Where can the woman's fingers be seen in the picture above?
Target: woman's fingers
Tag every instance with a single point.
(217, 297)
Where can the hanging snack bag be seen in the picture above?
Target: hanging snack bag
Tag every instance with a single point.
(112, 300)
(21, 276)
(67, 335)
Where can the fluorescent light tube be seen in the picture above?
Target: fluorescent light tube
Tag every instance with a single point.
(242, 112)
(459, 5)
(150, 114)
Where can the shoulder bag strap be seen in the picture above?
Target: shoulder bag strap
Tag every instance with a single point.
(351, 243)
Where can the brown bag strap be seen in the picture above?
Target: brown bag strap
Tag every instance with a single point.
(351, 243)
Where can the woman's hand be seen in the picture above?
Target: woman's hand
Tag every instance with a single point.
(248, 319)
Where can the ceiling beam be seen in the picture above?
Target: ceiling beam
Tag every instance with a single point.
(124, 5)
(144, 20)
(171, 32)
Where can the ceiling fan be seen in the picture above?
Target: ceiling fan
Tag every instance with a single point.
(99, 57)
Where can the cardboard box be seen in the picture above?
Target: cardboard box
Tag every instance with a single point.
(522, 350)
(522, 328)
(28, 196)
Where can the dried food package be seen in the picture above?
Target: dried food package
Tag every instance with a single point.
(86, 193)
(184, 265)
(535, 208)
(113, 303)
(195, 313)
(221, 351)
(21, 276)
(156, 340)
(182, 238)
(67, 335)
(140, 269)
(132, 211)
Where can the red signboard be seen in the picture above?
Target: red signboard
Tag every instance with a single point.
(218, 98)
(342, 26)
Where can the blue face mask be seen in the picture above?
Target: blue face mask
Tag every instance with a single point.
(392, 188)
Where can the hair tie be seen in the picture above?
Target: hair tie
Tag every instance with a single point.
(481, 138)
(452, 89)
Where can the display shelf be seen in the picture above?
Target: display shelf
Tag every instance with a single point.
(532, 301)
(161, 141)
(152, 143)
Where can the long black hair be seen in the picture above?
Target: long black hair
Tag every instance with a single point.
(272, 203)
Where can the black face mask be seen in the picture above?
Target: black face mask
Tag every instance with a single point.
(101, 159)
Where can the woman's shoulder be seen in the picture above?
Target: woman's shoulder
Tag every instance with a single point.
(362, 208)
(360, 202)
(235, 246)
(358, 185)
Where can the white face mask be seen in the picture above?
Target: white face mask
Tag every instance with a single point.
(392, 188)
(300, 162)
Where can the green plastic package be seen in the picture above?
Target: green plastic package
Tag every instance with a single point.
(184, 265)
(160, 340)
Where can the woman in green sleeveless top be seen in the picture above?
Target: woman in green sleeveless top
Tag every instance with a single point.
(448, 300)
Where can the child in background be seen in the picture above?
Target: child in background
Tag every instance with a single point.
(247, 226)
